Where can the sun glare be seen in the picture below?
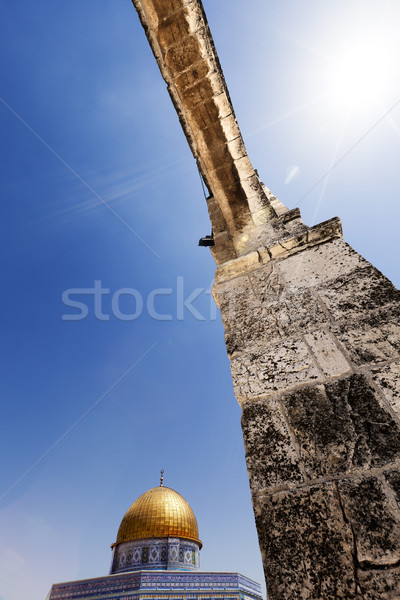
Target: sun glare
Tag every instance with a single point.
(362, 74)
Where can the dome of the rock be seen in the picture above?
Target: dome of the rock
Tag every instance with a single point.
(159, 513)
(159, 531)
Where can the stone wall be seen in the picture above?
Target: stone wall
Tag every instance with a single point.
(312, 332)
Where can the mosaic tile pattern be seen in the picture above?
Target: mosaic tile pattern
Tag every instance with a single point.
(148, 585)
(153, 553)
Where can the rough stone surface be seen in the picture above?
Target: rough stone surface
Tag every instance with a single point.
(379, 585)
(302, 325)
(318, 265)
(357, 292)
(372, 339)
(270, 453)
(329, 358)
(388, 379)
(375, 522)
(341, 427)
(278, 367)
(306, 544)
(259, 322)
(259, 309)
(268, 283)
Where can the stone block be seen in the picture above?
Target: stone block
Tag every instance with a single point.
(319, 264)
(203, 114)
(325, 230)
(393, 479)
(173, 28)
(270, 227)
(256, 311)
(374, 521)
(296, 227)
(230, 128)
(237, 267)
(388, 379)
(357, 293)
(290, 215)
(217, 83)
(235, 296)
(210, 137)
(228, 174)
(276, 204)
(237, 148)
(270, 454)
(268, 284)
(260, 213)
(379, 584)
(277, 250)
(195, 15)
(378, 434)
(330, 359)
(220, 157)
(373, 339)
(252, 186)
(306, 545)
(342, 427)
(163, 9)
(244, 167)
(264, 255)
(287, 245)
(192, 76)
(200, 92)
(323, 429)
(183, 55)
(223, 105)
(289, 317)
(276, 368)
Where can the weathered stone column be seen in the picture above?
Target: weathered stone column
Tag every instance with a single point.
(312, 331)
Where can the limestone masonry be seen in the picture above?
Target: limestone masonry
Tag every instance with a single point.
(312, 332)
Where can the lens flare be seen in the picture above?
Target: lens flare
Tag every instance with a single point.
(361, 73)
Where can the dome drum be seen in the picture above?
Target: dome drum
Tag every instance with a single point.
(156, 553)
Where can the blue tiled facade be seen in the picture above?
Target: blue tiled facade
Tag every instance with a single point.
(160, 585)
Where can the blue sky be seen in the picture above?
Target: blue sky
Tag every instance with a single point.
(83, 106)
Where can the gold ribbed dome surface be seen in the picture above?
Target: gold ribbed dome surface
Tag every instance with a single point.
(160, 512)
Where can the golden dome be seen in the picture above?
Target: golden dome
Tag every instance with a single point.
(160, 512)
